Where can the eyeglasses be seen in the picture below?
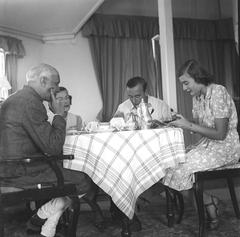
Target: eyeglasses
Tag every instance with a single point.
(138, 97)
(68, 97)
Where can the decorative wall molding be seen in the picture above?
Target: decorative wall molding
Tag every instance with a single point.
(16, 32)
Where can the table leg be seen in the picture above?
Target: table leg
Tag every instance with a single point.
(118, 215)
(170, 211)
(126, 232)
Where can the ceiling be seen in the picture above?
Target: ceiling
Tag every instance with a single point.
(52, 20)
(46, 19)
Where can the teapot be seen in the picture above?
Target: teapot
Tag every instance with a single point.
(144, 115)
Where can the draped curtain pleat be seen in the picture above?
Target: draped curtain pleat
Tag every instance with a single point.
(11, 71)
(121, 48)
(13, 49)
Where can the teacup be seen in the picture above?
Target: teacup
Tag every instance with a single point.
(103, 126)
(92, 126)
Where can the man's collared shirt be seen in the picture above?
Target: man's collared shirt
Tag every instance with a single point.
(158, 109)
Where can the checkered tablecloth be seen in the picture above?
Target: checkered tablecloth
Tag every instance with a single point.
(125, 164)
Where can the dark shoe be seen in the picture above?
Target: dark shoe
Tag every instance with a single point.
(212, 210)
(61, 230)
(34, 225)
(59, 234)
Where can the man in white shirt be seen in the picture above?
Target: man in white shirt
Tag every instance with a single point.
(159, 110)
(136, 90)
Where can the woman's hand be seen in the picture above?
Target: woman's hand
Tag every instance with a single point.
(181, 122)
(218, 132)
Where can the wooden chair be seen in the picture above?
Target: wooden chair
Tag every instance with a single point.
(228, 173)
(175, 199)
(174, 205)
(41, 192)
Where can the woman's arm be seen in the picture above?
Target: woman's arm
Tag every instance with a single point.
(217, 133)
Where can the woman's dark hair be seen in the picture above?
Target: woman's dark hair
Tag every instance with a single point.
(196, 71)
(135, 81)
(61, 88)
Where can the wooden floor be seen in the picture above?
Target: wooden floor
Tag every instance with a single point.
(152, 216)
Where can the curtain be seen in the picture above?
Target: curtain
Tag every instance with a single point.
(11, 71)
(13, 49)
(121, 48)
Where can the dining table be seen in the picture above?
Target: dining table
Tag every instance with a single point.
(125, 163)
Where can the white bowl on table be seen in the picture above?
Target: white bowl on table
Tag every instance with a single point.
(104, 127)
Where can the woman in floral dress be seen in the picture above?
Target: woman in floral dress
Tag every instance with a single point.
(215, 117)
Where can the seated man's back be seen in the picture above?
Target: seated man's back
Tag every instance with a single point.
(24, 129)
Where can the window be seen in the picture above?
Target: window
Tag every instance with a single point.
(2, 64)
(4, 84)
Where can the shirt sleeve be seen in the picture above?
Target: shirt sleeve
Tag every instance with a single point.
(49, 138)
(166, 112)
(221, 102)
(119, 112)
(79, 122)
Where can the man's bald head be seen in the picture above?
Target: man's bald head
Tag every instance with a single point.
(42, 70)
(43, 79)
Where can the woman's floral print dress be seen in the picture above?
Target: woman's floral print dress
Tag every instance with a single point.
(208, 153)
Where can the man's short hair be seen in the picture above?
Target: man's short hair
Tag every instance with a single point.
(42, 70)
(134, 81)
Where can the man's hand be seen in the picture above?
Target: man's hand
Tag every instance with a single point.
(156, 123)
(57, 107)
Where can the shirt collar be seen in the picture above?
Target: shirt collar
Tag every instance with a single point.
(32, 91)
(207, 96)
(132, 107)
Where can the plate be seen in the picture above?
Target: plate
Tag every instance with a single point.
(105, 130)
(75, 132)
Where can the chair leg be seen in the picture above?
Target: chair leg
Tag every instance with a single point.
(73, 217)
(233, 196)
(180, 205)
(170, 211)
(1, 218)
(198, 191)
(126, 231)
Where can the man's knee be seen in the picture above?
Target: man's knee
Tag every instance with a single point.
(61, 203)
